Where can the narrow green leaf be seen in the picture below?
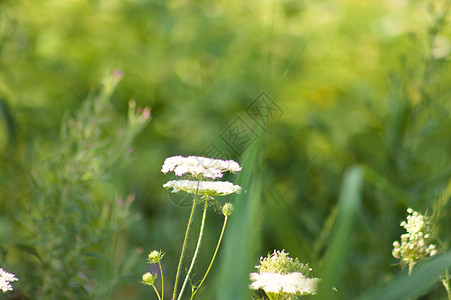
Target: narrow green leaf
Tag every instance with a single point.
(349, 203)
(421, 280)
(6, 114)
(239, 245)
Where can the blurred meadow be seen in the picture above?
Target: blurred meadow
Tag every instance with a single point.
(339, 112)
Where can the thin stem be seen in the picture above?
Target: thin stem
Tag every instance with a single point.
(410, 267)
(201, 233)
(214, 256)
(156, 291)
(182, 254)
(162, 281)
(445, 282)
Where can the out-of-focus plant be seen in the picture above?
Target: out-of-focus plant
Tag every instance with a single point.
(416, 244)
(72, 225)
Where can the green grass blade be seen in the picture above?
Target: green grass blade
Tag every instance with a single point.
(421, 280)
(349, 203)
(6, 114)
(239, 245)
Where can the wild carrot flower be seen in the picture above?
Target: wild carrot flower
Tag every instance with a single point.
(5, 279)
(205, 188)
(199, 166)
(291, 283)
(282, 277)
(198, 173)
(415, 244)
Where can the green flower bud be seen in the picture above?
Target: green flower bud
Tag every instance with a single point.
(227, 209)
(149, 279)
(155, 257)
(280, 262)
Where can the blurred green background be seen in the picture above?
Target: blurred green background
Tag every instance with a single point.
(349, 83)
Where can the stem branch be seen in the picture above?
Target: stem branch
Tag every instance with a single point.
(213, 259)
(445, 282)
(410, 267)
(201, 233)
(156, 291)
(162, 281)
(182, 254)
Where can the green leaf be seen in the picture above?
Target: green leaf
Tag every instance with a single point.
(421, 280)
(239, 246)
(349, 203)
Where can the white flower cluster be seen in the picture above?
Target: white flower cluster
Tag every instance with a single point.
(291, 283)
(415, 224)
(5, 279)
(415, 243)
(199, 166)
(210, 188)
(282, 275)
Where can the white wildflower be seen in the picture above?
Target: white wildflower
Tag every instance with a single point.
(199, 166)
(282, 275)
(415, 222)
(291, 283)
(206, 188)
(5, 279)
(415, 244)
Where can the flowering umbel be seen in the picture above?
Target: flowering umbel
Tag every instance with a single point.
(5, 279)
(199, 167)
(416, 243)
(199, 174)
(282, 277)
(204, 188)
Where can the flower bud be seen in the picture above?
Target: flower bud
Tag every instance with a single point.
(227, 209)
(155, 257)
(149, 278)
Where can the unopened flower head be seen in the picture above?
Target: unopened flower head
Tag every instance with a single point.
(280, 262)
(415, 244)
(292, 283)
(227, 209)
(155, 257)
(5, 279)
(205, 188)
(149, 278)
(199, 166)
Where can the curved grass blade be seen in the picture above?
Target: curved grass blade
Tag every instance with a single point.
(239, 244)
(421, 280)
(349, 203)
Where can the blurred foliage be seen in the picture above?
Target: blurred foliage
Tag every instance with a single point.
(351, 83)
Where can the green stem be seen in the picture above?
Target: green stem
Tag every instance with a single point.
(445, 282)
(410, 267)
(213, 259)
(182, 254)
(156, 291)
(201, 233)
(162, 281)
